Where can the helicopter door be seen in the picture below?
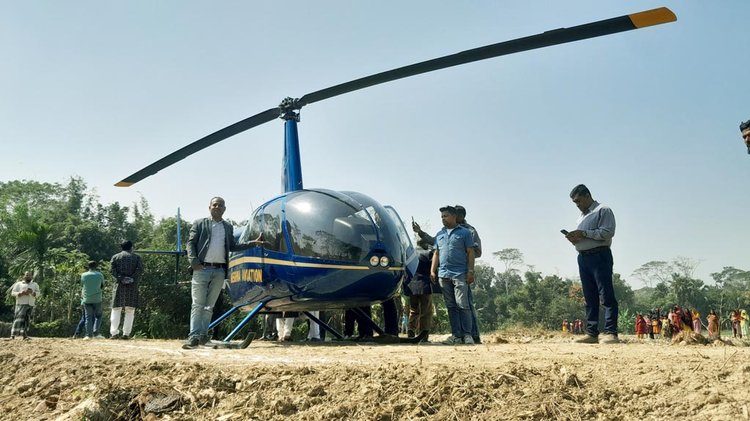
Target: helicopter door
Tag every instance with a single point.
(267, 220)
(410, 255)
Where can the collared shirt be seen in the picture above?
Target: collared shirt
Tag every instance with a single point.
(21, 286)
(477, 241)
(216, 247)
(452, 248)
(598, 225)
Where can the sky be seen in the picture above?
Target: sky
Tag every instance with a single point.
(647, 119)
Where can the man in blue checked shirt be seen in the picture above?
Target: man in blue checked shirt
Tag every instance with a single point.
(453, 267)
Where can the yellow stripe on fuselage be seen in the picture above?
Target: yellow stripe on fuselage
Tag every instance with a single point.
(261, 260)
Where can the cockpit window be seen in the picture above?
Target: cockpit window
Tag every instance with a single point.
(268, 221)
(324, 226)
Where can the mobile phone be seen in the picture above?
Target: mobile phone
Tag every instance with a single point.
(564, 232)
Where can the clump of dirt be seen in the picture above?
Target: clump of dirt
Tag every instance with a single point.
(507, 377)
(689, 337)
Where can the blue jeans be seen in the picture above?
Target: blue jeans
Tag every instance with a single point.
(81, 327)
(206, 287)
(596, 281)
(93, 318)
(456, 296)
(474, 322)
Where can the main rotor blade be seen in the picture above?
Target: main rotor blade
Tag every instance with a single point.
(200, 144)
(546, 39)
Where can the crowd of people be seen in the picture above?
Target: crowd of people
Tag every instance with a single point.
(661, 324)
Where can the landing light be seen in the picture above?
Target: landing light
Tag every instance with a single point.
(374, 260)
(384, 261)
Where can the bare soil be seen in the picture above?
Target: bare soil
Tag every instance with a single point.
(511, 376)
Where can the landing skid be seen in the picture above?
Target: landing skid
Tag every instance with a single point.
(382, 338)
(390, 339)
(235, 345)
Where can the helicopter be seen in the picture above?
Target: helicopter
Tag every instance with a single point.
(326, 249)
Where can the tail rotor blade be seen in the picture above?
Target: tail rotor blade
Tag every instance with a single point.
(200, 144)
(546, 39)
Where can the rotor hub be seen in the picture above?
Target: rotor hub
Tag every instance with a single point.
(289, 108)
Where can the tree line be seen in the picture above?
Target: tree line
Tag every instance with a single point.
(55, 228)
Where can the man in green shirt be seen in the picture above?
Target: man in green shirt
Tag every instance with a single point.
(91, 296)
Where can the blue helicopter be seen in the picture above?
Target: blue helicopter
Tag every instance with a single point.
(329, 249)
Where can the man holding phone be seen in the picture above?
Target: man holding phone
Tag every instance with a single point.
(592, 239)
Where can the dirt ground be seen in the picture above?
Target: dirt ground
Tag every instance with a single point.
(510, 376)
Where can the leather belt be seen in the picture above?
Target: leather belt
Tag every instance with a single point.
(213, 265)
(594, 250)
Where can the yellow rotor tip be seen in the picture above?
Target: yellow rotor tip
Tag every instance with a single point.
(652, 17)
(123, 184)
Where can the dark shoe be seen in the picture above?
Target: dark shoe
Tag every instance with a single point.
(115, 336)
(610, 338)
(125, 337)
(313, 339)
(191, 343)
(26, 338)
(587, 339)
(204, 340)
(12, 337)
(477, 339)
(410, 334)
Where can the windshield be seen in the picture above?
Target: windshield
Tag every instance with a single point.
(321, 225)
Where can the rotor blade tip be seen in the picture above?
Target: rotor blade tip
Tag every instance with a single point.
(652, 17)
(123, 184)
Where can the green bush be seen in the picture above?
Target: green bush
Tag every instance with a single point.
(55, 328)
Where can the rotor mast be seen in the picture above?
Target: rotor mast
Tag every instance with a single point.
(291, 176)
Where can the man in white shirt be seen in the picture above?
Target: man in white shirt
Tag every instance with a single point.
(592, 239)
(25, 291)
(211, 240)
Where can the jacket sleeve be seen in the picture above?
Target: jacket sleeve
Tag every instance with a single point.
(192, 244)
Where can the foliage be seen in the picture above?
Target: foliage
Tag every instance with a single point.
(54, 229)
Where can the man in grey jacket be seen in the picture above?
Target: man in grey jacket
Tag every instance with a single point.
(211, 240)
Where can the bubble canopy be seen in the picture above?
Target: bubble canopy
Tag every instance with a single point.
(326, 224)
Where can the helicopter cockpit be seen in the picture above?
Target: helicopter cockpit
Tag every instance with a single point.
(329, 225)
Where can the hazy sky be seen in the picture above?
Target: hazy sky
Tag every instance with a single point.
(648, 119)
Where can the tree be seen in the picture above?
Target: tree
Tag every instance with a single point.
(685, 266)
(655, 271)
(510, 258)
